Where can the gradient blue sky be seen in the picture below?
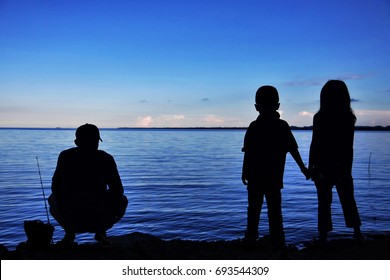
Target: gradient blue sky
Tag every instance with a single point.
(163, 63)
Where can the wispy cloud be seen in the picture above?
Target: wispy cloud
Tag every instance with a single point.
(322, 80)
(355, 100)
(351, 77)
(383, 91)
(205, 99)
(303, 83)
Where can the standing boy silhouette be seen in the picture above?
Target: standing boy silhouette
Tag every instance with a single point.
(267, 141)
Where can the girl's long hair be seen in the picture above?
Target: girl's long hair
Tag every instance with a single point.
(335, 100)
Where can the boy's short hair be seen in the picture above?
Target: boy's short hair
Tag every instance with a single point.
(267, 96)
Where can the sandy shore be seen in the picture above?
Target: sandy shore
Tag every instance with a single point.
(138, 246)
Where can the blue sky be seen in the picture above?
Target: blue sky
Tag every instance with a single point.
(162, 63)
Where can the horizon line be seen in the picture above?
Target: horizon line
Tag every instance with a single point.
(292, 127)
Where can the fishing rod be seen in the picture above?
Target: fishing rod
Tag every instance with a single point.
(43, 191)
(369, 166)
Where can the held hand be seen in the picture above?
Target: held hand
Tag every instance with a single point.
(244, 180)
(306, 172)
(315, 175)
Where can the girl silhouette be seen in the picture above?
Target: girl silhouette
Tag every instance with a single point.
(331, 156)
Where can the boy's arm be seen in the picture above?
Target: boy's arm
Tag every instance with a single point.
(297, 157)
(244, 176)
(245, 163)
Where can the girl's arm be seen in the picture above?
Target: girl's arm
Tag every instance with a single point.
(297, 157)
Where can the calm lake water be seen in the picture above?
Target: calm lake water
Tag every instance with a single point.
(186, 184)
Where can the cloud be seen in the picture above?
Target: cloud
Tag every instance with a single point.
(373, 117)
(179, 117)
(381, 113)
(321, 80)
(205, 99)
(383, 91)
(355, 100)
(349, 77)
(306, 114)
(213, 119)
(303, 83)
(160, 121)
(172, 117)
(144, 121)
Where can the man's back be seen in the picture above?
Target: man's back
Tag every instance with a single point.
(81, 172)
(80, 186)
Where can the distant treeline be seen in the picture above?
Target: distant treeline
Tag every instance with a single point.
(357, 128)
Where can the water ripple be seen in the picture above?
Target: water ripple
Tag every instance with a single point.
(185, 184)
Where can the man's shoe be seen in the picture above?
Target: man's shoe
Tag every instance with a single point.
(68, 239)
(103, 239)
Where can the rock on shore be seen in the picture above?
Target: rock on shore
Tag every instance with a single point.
(139, 246)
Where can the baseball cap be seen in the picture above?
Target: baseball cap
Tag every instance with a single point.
(88, 132)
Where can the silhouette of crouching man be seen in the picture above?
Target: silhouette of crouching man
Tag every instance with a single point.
(87, 192)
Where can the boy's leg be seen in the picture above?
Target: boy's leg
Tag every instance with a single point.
(275, 218)
(255, 202)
